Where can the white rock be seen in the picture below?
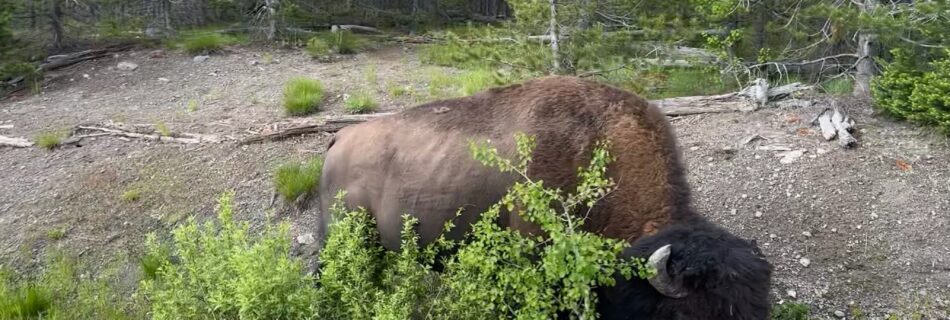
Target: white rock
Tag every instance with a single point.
(806, 234)
(85, 75)
(791, 156)
(305, 239)
(163, 80)
(805, 262)
(127, 66)
(839, 313)
(758, 214)
(200, 58)
(792, 293)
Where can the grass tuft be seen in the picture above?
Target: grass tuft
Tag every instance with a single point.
(838, 86)
(204, 43)
(295, 179)
(162, 129)
(360, 102)
(397, 90)
(49, 140)
(790, 311)
(28, 302)
(131, 195)
(56, 233)
(318, 47)
(302, 96)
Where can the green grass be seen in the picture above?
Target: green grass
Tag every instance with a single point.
(790, 311)
(302, 96)
(26, 302)
(838, 86)
(369, 73)
(192, 105)
(360, 102)
(476, 80)
(296, 179)
(56, 233)
(162, 129)
(397, 90)
(318, 47)
(131, 195)
(49, 140)
(204, 43)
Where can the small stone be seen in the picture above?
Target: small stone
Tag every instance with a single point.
(200, 58)
(821, 151)
(805, 262)
(254, 62)
(127, 66)
(85, 75)
(758, 214)
(744, 196)
(163, 80)
(693, 148)
(806, 234)
(772, 236)
(834, 230)
(874, 215)
(791, 156)
(306, 239)
(839, 313)
(792, 293)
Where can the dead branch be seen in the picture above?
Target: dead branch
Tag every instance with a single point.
(827, 128)
(329, 125)
(14, 142)
(187, 138)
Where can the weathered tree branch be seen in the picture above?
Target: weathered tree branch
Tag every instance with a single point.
(329, 125)
(14, 142)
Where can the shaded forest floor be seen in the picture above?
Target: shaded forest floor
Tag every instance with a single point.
(863, 231)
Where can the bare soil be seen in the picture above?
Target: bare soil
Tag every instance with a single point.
(873, 222)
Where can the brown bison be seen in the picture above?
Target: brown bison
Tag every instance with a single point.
(418, 162)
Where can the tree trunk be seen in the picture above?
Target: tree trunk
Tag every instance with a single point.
(415, 17)
(555, 49)
(865, 69)
(166, 14)
(56, 22)
(271, 19)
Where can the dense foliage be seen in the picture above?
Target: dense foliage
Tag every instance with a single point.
(908, 90)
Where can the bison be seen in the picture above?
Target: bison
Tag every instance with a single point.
(418, 162)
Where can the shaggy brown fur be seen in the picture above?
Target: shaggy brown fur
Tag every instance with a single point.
(418, 161)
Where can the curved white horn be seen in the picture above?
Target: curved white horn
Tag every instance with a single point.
(662, 281)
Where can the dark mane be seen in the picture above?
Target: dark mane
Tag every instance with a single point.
(727, 277)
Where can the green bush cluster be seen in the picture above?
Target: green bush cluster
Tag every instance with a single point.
(911, 92)
(360, 102)
(221, 271)
(302, 96)
(317, 47)
(295, 179)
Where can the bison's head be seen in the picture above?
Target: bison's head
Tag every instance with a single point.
(703, 272)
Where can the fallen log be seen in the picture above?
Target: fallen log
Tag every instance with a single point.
(64, 60)
(355, 28)
(843, 124)
(329, 125)
(828, 130)
(14, 142)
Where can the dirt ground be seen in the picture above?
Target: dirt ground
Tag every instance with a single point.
(865, 231)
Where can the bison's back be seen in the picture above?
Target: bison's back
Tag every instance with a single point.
(418, 161)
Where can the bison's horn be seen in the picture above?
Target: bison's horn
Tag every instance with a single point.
(662, 281)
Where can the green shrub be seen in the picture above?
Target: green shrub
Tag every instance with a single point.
(790, 311)
(297, 179)
(204, 43)
(360, 102)
(302, 96)
(49, 140)
(222, 271)
(317, 47)
(907, 91)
